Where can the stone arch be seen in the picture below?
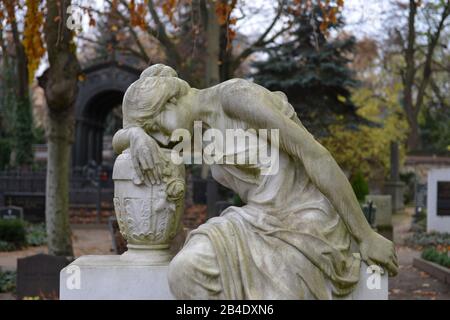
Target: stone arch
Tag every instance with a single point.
(101, 90)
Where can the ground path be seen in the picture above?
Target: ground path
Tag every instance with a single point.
(410, 283)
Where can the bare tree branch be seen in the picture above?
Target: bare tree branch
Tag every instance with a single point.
(162, 36)
(143, 54)
(434, 38)
(261, 40)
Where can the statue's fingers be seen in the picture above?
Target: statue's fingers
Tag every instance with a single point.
(148, 159)
(157, 170)
(372, 262)
(392, 269)
(151, 176)
(147, 166)
(395, 260)
(137, 168)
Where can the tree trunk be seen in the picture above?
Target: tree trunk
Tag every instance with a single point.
(60, 91)
(59, 136)
(414, 140)
(23, 122)
(408, 81)
(212, 46)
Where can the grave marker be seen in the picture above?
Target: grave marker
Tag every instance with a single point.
(38, 276)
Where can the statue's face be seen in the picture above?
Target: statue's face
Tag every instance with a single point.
(173, 116)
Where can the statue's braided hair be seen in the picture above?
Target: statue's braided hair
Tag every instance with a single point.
(145, 98)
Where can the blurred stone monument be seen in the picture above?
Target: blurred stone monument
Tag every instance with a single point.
(394, 186)
(11, 212)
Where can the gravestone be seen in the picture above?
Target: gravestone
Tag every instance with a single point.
(383, 216)
(38, 275)
(395, 187)
(33, 204)
(438, 200)
(11, 212)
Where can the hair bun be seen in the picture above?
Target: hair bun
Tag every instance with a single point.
(158, 70)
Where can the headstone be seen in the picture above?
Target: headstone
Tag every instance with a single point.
(38, 276)
(383, 216)
(11, 212)
(438, 200)
(33, 204)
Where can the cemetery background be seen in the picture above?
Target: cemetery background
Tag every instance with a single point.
(357, 104)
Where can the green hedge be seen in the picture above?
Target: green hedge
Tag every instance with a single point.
(441, 258)
(360, 186)
(13, 231)
(8, 281)
(36, 234)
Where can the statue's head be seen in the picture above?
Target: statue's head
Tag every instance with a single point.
(151, 102)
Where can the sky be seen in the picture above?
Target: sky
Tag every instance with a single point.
(363, 18)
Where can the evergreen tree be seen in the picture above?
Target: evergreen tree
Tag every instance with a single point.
(313, 71)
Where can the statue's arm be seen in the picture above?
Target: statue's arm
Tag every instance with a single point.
(320, 166)
(254, 108)
(122, 138)
(121, 141)
(144, 152)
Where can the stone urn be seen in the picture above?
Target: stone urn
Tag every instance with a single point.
(148, 214)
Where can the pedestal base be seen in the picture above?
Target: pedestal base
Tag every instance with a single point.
(396, 189)
(113, 278)
(371, 285)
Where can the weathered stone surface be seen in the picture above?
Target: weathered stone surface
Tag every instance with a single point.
(112, 278)
(292, 237)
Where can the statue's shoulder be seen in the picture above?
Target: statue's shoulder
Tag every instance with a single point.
(236, 84)
(237, 89)
(241, 92)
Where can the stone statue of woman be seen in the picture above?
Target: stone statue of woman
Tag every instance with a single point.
(298, 232)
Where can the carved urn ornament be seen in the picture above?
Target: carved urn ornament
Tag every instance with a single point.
(148, 214)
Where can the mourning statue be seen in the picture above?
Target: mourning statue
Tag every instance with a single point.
(301, 233)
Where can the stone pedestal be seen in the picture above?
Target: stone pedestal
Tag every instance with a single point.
(369, 287)
(396, 189)
(113, 278)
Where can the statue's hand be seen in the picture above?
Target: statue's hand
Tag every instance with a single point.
(377, 250)
(146, 157)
